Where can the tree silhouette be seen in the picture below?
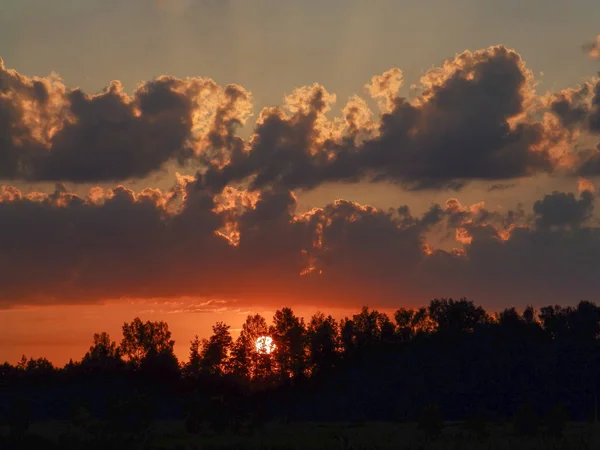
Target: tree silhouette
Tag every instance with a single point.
(555, 320)
(510, 318)
(450, 354)
(141, 340)
(365, 331)
(239, 361)
(258, 366)
(215, 350)
(584, 322)
(529, 315)
(456, 316)
(102, 348)
(36, 366)
(289, 334)
(103, 356)
(386, 329)
(192, 368)
(366, 327)
(322, 338)
(348, 337)
(411, 322)
(161, 365)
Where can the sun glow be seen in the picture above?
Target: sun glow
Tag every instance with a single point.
(265, 345)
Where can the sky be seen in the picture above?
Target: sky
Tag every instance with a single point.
(200, 160)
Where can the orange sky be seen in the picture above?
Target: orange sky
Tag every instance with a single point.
(63, 332)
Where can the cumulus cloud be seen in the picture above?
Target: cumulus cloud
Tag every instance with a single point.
(561, 209)
(473, 120)
(385, 87)
(579, 107)
(51, 133)
(256, 247)
(578, 110)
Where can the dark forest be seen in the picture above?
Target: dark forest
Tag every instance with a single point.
(450, 362)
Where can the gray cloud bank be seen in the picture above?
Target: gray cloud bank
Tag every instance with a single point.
(233, 231)
(256, 247)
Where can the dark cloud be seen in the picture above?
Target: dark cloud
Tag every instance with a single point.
(114, 138)
(287, 149)
(469, 122)
(63, 248)
(474, 118)
(580, 107)
(561, 209)
(462, 129)
(50, 133)
(256, 247)
(589, 162)
(572, 106)
(595, 110)
(578, 110)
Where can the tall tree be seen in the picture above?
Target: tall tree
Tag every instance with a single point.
(411, 322)
(386, 329)
(323, 338)
(216, 350)
(103, 355)
(258, 366)
(405, 323)
(239, 360)
(289, 334)
(371, 327)
(529, 315)
(365, 327)
(103, 347)
(144, 339)
(584, 322)
(192, 368)
(347, 337)
(510, 319)
(555, 320)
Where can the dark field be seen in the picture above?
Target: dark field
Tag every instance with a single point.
(301, 436)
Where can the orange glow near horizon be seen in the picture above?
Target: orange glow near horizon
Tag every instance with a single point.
(61, 333)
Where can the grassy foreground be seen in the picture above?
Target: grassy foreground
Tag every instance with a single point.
(307, 436)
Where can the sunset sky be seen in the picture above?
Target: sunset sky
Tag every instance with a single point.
(199, 160)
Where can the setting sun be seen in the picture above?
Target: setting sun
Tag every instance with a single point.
(265, 345)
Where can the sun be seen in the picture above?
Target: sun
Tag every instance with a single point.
(265, 345)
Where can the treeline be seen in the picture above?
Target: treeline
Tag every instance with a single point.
(451, 354)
